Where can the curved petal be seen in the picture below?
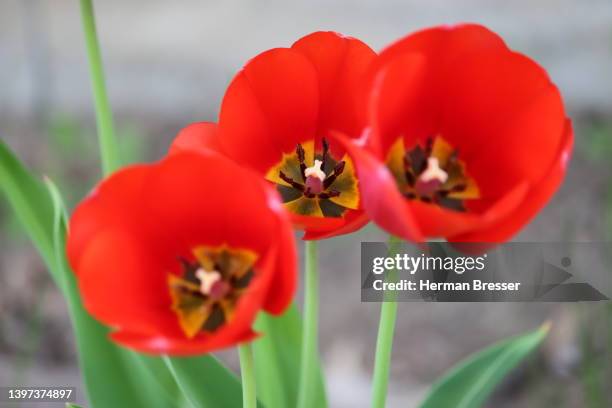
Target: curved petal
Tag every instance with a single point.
(156, 344)
(353, 221)
(445, 43)
(122, 285)
(284, 285)
(435, 221)
(536, 198)
(199, 137)
(99, 210)
(381, 198)
(206, 199)
(341, 64)
(269, 107)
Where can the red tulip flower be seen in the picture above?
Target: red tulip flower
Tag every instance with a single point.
(467, 141)
(179, 256)
(277, 118)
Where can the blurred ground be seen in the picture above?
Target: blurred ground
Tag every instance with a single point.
(168, 64)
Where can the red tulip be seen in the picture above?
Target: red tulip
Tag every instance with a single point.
(277, 117)
(179, 256)
(468, 139)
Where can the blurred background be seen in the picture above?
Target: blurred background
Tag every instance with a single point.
(168, 63)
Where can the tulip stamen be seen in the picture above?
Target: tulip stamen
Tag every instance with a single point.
(205, 295)
(301, 155)
(314, 183)
(432, 174)
(290, 181)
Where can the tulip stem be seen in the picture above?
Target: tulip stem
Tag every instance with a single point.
(104, 117)
(308, 373)
(247, 369)
(384, 341)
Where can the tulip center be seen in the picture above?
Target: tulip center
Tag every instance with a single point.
(432, 173)
(315, 183)
(205, 294)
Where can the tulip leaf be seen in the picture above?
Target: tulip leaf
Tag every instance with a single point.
(205, 382)
(470, 383)
(113, 376)
(277, 360)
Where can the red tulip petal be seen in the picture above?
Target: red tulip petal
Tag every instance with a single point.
(536, 198)
(445, 43)
(199, 137)
(341, 64)
(199, 199)
(505, 118)
(435, 221)
(353, 221)
(270, 106)
(283, 288)
(381, 198)
(122, 286)
(155, 344)
(99, 210)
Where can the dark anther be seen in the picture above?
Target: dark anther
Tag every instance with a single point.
(410, 177)
(332, 177)
(330, 194)
(325, 151)
(291, 182)
(428, 146)
(299, 151)
(410, 195)
(425, 199)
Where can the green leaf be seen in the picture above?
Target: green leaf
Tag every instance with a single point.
(277, 360)
(469, 384)
(205, 382)
(113, 376)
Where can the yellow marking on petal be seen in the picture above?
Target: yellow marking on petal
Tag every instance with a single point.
(441, 150)
(233, 262)
(395, 161)
(191, 310)
(471, 191)
(305, 206)
(347, 185)
(290, 165)
(228, 309)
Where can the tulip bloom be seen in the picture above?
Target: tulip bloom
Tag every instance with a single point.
(179, 256)
(277, 118)
(467, 141)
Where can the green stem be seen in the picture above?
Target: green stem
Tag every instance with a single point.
(104, 118)
(384, 341)
(308, 374)
(247, 368)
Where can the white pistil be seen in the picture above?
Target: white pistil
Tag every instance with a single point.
(433, 172)
(315, 171)
(207, 280)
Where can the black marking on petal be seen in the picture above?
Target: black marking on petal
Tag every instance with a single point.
(331, 209)
(244, 280)
(418, 159)
(451, 203)
(215, 319)
(288, 193)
